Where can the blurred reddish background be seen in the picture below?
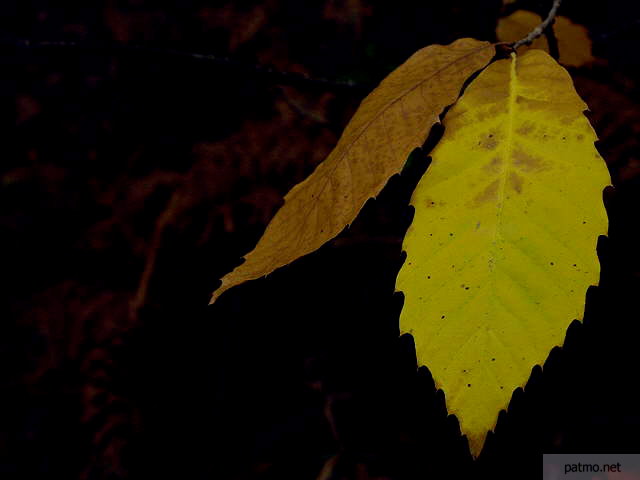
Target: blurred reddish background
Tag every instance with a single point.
(141, 176)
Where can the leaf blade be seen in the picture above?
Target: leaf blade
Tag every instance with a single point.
(508, 283)
(574, 44)
(390, 122)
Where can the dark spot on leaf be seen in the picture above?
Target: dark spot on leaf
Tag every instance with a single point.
(488, 194)
(493, 166)
(525, 129)
(526, 161)
(488, 143)
(515, 181)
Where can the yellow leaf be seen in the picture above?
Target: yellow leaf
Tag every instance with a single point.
(574, 44)
(502, 247)
(391, 121)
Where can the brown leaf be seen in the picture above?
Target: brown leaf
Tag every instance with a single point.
(391, 121)
(574, 44)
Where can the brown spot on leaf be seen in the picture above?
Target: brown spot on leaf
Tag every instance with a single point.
(488, 194)
(527, 162)
(525, 129)
(493, 166)
(529, 103)
(481, 116)
(498, 108)
(495, 109)
(515, 181)
(488, 141)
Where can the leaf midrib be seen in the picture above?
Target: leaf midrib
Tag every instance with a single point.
(497, 236)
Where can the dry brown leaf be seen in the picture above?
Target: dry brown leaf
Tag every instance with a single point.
(391, 121)
(574, 44)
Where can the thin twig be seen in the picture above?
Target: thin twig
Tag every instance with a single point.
(290, 78)
(552, 40)
(539, 30)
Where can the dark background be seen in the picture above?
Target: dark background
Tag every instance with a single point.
(141, 176)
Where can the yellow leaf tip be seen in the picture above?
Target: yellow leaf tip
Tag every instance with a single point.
(476, 443)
